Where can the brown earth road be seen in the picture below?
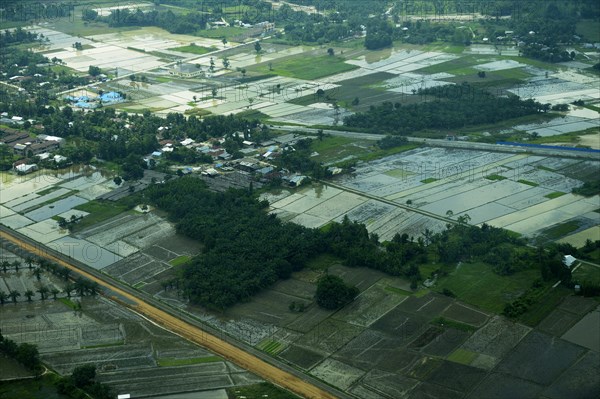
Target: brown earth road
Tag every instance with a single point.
(193, 333)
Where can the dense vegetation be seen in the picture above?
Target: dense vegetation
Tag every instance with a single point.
(588, 189)
(26, 354)
(333, 293)
(443, 107)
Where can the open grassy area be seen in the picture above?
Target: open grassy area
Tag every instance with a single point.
(586, 272)
(561, 230)
(308, 68)
(98, 212)
(477, 284)
(194, 49)
(589, 29)
(529, 183)
(545, 304)
(269, 346)
(227, 32)
(462, 356)
(170, 362)
(323, 262)
(69, 303)
(42, 388)
(572, 137)
(495, 177)
(555, 194)
(180, 260)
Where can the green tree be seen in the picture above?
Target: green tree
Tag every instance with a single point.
(330, 51)
(29, 294)
(94, 70)
(28, 355)
(3, 297)
(14, 294)
(83, 376)
(257, 47)
(333, 293)
(54, 291)
(43, 290)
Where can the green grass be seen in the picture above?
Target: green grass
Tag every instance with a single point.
(171, 362)
(560, 230)
(162, 79)
(42, 388)
(98, 211)
(495, 177)
(589, 29)
(529, 183)
(48, 190)
(429, 180)
(180, 260)
(69, 303)
(227, 31)
(323, 261)
(440, 321)
(555, 194)
(477, 284)
(194, 49)
(587, 272)
(261, 390)
(572, 137)
(308, 68)
(462, 356)
(270, 346)
(544, 305)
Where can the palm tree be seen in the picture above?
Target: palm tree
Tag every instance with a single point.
(69, 287)
(54, 291)
(3, 297)
(29, 294)
(81, 286)
(5, 265)
(66, 273)
(93, 288)
(38, 274)
(16, 264)
(43, 290)
(14, 294)
(29, 261)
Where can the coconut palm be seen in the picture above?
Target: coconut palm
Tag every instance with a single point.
(37, 273)
(14, 294)
(54, 291)
(5, 265)
(69, 287)
(29, 294)
(29, 262)
(43, 290)
(3, 297)
(16, 264)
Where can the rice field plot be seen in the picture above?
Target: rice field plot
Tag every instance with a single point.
(446, 343)
(369, 306)
(463, 314)
(302, 357)
(328, 336)
(579, 381)
(540, 358)
(127, 264)
(55, 208)
(456, 376)
(144, 272)
(502, 386)
(337, 373)
(269, 307)
(492, 342)
(401, 325)
(389, 384)
(368, 350)
(557, 322)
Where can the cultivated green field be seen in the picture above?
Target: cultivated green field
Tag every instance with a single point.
(308, 68)
(477, 284)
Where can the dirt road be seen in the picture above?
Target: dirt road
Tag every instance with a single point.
(189, 331)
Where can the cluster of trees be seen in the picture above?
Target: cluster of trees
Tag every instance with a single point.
(390, 141)
(82, 384)
(298, 159)
(26, 354)
(18, 36)
(245, 249)
(379, 34)
(589, 188)
(333, 293)
(443, 107)
(187, 23)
